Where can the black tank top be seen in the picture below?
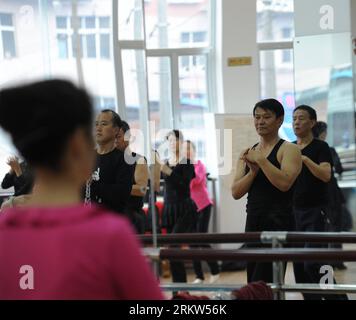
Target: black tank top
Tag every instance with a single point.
(135, 203)
(263, 194)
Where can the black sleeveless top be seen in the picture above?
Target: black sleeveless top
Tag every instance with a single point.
(263, 194)
(135, 203)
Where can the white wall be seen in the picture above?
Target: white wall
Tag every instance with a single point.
(238, 92)
(236, 25)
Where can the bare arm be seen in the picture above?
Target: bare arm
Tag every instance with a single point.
(242, 181)
(291, 165)
(141, 178)
(321, 171)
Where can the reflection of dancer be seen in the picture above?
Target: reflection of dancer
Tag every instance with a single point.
(179, 209)
(20, 177)
(336, 210)
(200, 195)
(112, 181)
(310, 198)
(267, 172)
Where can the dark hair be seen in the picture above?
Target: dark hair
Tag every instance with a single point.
(272, 105)
(310, 110)
(116, 120)
(42, 116)
(124, 126)
(319, 128)
(176, 133)
(191, 144)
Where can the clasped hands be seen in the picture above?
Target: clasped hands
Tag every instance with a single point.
(252, 158)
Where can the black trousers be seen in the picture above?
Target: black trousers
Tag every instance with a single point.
(268, 219)
(312, 220)
(184, 224)
(201, 226)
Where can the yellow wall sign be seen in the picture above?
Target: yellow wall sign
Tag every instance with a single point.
(239, 61)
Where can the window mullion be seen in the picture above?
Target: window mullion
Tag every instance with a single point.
(175, 90)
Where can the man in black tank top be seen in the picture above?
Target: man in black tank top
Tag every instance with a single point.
(134, 205)
(267, 172)
(310, 198)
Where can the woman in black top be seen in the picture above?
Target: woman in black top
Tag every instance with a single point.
(179, 209)
(20, 177)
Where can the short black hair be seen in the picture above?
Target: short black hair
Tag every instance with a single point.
(319, 128)
(41, 117)
(309, 109)
(176, 133)
(272, 105)
(124, 126)
(191, 144)
(116, 119)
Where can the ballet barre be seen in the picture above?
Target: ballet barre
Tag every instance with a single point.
(252, 237)
(275, 255)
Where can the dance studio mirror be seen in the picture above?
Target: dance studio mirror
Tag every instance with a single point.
(323, 79)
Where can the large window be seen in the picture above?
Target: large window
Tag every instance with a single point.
(38, 42)
(7, 36)
(168, 21)
(167, 43)
(275, 31)
(149, 60)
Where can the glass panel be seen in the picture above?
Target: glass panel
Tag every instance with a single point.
(105, 46)
(160, 92)
(75, 45)
(6, 19)
(193, 101)
(277, 81)
(275, 20)
(98, 69)
(8, 44)
(62, 40)
(90, 46)
(61, 22)
(90, 22)
(199, 36)
(133, 62)
(104, 22)
(173, 25)
(325, 82)
(130, 20)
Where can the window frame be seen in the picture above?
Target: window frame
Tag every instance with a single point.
(173, 54)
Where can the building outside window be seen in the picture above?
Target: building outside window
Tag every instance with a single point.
(275, 29)
(7, 36)
(94, 34)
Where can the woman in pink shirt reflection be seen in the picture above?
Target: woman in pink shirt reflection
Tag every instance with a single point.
(200, 195)
(55, 247)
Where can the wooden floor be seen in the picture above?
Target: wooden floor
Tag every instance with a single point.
(347, 276)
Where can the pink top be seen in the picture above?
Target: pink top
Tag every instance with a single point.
(76, 252)
(198, 189)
